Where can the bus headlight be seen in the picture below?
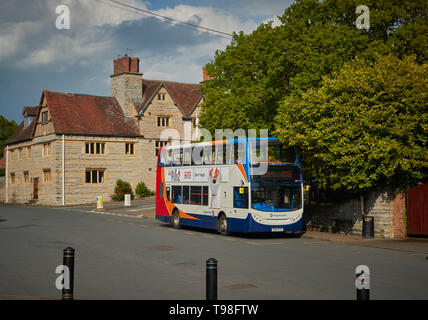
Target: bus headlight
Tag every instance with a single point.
(257, 218)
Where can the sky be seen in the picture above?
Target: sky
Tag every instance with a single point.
(36, 55)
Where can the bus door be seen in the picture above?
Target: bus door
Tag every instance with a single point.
(240, 199)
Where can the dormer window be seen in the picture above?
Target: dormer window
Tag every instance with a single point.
(28, 120)
(161, 96)
(44, 117)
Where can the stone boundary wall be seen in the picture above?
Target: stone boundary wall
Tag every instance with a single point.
(387, 209)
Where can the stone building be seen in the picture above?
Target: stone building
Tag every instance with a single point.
(71, 148)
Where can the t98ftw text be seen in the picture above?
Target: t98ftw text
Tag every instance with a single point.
(217, 309)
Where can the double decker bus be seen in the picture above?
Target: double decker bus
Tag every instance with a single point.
(226, 185)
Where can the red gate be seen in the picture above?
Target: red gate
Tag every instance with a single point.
(417, 210)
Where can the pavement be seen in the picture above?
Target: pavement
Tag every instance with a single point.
(412, 245)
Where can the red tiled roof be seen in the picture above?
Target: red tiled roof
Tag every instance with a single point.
(30, 111)
(23, 133)
(185, 95)
(88, 115)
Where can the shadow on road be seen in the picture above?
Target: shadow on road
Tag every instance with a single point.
(255, 235)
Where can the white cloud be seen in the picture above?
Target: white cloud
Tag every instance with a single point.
(14, 35)
(93, 26)
(98, 12)
(209, 18)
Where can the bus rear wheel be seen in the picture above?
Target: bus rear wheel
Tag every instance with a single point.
(175, 219)
(222, 225)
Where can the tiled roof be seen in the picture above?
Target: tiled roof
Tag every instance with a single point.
(185, 95)
(88, 115)
(23, 133)
(80, 114)
(30, 111)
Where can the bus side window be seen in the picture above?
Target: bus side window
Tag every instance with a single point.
(205, 195)
(240, 197)
(239, 153)
(167, 193)
(187, 157)
(220, 154)
(197, 153)
(186, 195)
(176, 194)
(195, 195)
(209, 155)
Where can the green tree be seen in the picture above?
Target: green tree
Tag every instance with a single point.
(365, 126)
(7, 128)
(257, 71)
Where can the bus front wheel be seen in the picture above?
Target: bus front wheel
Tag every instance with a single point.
(222, 225)
(175, 220)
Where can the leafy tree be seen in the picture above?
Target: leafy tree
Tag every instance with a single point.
(365, 126)
(7, 128)
(257, 71)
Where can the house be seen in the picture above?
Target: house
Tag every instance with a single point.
(71, 148)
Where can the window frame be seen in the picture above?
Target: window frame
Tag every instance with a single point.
(45, 117)
(98, 174)
(47, 176)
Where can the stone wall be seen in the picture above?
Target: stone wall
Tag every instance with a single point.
(34, 163)
(387, 209)
(139, 167)
(115, 164)
(126, 88)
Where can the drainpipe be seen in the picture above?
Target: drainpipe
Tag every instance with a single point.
(63, 171)
(363, 211)
(7, 175)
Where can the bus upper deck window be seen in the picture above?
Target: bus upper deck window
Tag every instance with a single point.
(187, 157)
(239, 153)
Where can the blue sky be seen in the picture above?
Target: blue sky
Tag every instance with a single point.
(34, 55)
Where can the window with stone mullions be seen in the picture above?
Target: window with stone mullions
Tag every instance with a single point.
(129, 148)
(94, 176)
(95, 148)
(163, 122)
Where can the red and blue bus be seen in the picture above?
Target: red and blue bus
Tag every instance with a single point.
(224, 185)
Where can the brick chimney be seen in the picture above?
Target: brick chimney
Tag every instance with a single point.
(126, 64)
(126, 83)
(205, 76)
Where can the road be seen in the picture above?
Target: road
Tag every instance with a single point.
(120, 257)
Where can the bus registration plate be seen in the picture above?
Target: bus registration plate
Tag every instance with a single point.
(277, 229)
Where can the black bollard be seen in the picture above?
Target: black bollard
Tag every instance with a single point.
(363, 282)
(211, 288)
(68, 261)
